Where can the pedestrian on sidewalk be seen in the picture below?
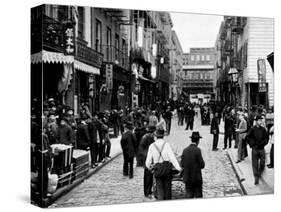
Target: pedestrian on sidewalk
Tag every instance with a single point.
(161, 122)
(129, 146)
(241, 133)
(190, 118)
(152, 120)
(83, 137)
(168, 119)
(257, 139)
(271, 134)
(52, 128)
(105, 139)
(215, 131)
(64, 133)
(146, 141)
(94, 128)
(228, 127)
(100, 141)
(140, 131)
(192, 162)
(159, 152)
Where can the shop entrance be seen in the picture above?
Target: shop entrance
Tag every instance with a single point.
(52, 73)
(257, 98)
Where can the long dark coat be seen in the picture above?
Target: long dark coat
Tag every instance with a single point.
(146, 140)
(192, 162)
(94, 128)
(83, 137)
(214, 126)
(129, 144)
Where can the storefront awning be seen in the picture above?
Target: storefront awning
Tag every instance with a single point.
(143, 78)
(86, 68)
(50, 57)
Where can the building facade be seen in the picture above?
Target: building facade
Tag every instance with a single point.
(243, 42)
(176, 67)
(104, 58)
(198, 74)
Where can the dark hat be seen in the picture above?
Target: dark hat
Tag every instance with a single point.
(195, 135)
(150, 129)
(258, 117)
(160, 132)
(129, 125)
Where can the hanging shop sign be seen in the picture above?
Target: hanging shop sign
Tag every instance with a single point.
(137, 87)
(69, 41)
(121, 90)
(262, 75)
(109, 75)
(92, 86)
(103, 89)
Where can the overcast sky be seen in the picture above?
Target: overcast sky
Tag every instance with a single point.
(196, 30)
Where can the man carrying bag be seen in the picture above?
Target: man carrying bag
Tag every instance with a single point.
(160, 158)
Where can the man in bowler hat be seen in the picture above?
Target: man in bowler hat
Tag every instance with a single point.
(192, 162)
(129, 147)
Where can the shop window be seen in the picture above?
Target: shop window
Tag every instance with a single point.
(108, 44)
(116, 47)
(98, 36)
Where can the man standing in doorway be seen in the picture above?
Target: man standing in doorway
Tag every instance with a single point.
(192, 162)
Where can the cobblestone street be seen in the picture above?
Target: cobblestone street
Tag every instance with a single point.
(108, 186)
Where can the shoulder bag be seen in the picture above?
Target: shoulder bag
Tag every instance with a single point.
(164, 168)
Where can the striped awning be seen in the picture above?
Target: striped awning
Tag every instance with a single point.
(56, 57)
(50, 57)
(86, 68)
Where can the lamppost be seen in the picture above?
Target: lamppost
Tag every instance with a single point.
(233, 73)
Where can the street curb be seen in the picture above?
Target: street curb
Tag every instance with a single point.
(239, 178)
(68, 188)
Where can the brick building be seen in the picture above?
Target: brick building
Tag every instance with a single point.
(198, 71)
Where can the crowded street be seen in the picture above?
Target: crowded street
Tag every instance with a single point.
(126, 109)
(109, 186)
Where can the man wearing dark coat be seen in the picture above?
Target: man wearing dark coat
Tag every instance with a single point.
(192, 162)
(228, 128)
(189, 114)
(64, 133)
(83, 137)
(139, 133)
(146, 141)
(94, 128)
(215, 131)
(129, 147)
(257, 139)
(168, 119)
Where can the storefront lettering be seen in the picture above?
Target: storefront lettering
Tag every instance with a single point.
(69, 41)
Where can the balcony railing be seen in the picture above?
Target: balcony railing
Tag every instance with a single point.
(115, 55)
(87, 55)
(228, 46)
(238, 24)
(53, 36)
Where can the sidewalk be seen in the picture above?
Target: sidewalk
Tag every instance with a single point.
(115, 152)
(244, 171)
